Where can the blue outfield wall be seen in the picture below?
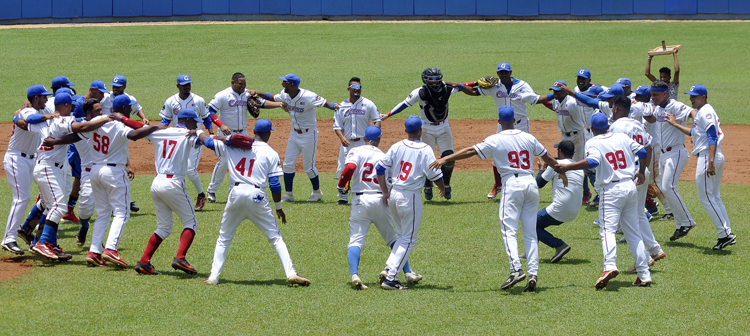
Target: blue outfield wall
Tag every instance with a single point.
(20, 11)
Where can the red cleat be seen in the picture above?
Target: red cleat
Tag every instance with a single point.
(199, 203)
(62, 256)
(95, 259)
(44, 250)
(114, 257)
(492, 193)
(71, 217)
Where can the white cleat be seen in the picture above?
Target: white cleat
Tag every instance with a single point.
(211, 197)
(209, 281)
(287, 197)
(413, 278)
(298, 280)
(357, 282)
(316, 195)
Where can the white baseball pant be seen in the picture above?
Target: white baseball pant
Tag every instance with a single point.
(369, 208)
(68, 185)
(85, 199)
(519, 201)
(220, 170)
(305, 144)
(440, 136)
(19, 172)
(579, 140)
(618, 203)
(192, 172)
(248, 202)
(672, 163)
(406, 210)
(709, 192)
(51, 181)
(170, 195)
(110, 188)
(649, 241)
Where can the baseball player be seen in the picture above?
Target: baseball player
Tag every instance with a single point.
(350, 122)
(252, 169)
(367, 204)
(707, 137)
(432, 98)
(614, 157)
(185, 99)
(231, 105)
(665, 75)
(19, 161)
(110, 184)
(584, 86)
(674, 155)
(303, 138)
(512, 152)
(626, 87)
(641, 105)
(172, 151)
(570, 116)
(407, 164)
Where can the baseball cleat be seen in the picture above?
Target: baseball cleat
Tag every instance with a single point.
(62, 256)
(383, 276)
(81, 236)
(287, 197)
(183, 265)
(95, 259)
(12, 247)
(493, 193)
(649, 216)
(316, 195)
(209, 281)
(211, 197)
(604, 279)
(634, 269)
(659, 256)
(594, 202)
(513, 279)
(298, 280)
(667, 217)
(393, 285)
(357, 282)
(26, 235)
(428, 193)
(586, 198)
(114, 257)
(531, 285)
(680, 232)
(447, 192)
(731, 239)
(522, 256)
(641, 283)
(343, 202)
(200, 202)
(597, 222)
(560, 251)
(44, 250)
(134, 207)
(145, 268)
(413, 278)
(71, 217)
(622, 240)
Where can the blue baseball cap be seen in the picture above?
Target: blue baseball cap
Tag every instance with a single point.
(183, 79)
(698, 90)
(99, 85)
(643, 91)
(413, 123)
(119, 80)
(585, 73)
(63, 98)
(185, 114)
(263, 125)
(505, 114)
(599, 121)
(68, 91)
(555, 88)
(291, 78)
(614, 90)
(594, 90)
(624, 81)
(373, 133)
(37, 90)
(505, 66)
(122, 101)
(61, 81)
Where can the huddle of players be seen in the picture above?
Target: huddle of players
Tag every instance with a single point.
(433, 129)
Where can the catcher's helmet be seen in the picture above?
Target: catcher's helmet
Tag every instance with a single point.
(433, 78)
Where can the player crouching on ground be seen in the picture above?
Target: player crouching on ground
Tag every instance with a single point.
(253, 164)
(172, 149)
(511, 152)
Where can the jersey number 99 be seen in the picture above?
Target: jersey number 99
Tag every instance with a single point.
(616, 160)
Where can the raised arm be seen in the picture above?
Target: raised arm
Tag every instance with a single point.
(648, 70)
(676, 68)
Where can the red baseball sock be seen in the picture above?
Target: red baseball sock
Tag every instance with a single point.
(498, 178)
(153, 244)
(186, 239)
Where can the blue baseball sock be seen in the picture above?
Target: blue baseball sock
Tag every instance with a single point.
(38, 235)
(35, 213)
(85, 223)
(202, 195)
(407, 269)
(288, 181)
(49, 234)
(72, 202)
(585, 187)
(315, 182)
(354, 253)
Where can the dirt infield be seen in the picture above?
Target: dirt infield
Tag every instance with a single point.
(465, 133)
(12, 268)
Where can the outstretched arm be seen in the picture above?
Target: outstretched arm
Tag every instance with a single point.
(648, 70)
(144, 131)
(672, 121)
(65, 140)
(460, 155)
(80, 127)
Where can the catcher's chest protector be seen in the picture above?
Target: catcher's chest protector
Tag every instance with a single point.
(436, 107)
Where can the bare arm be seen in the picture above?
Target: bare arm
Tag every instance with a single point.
(144, 131)
(142, 115)
(271, 104)
(648, 70)
(65, 140)
(89, 126)
(460, 155)
(465, 89)
(676, 69)
(671, 120)
(550, 161)
(342, 138)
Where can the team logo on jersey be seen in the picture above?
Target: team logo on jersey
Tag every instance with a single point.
(233, 103)
(355, 112)
(296, 109)
(708, 116)
(563, 112)
(503, 95)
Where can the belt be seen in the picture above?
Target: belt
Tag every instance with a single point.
(167, 175)
(362, 193)
(250, 184)
(614, 181)
(301, 131)
(238, 130)
(355, 139)
(437, 123)
(571, 133)
(30, 156)
(58, 165)
(515, 175)
(108, 164)
(669, 149)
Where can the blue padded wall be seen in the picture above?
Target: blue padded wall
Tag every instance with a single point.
(398, 7)
(185, 7)
(739, 6)
(336, 7)
(93, 8)
(460, 7)
(127, 8)
(367, 7)
(67, 8)
(554, 6)
(214, 6)
(429, 7)
(681, 6)
(523, 8)
(244, 6)
(648, 6)
(492, 7)
(11, 9)
(275, 7)
(617, 7)
(157, 7)
(305, 7)
(36, 8)
(713, 6)
(586, 7)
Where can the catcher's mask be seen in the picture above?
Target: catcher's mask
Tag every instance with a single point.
(433, 78)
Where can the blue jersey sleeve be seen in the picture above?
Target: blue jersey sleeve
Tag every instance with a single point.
(209, 142)
(592, 163)
(591, 102)
(713, 138)
(274, 184)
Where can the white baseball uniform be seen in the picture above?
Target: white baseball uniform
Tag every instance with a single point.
(171, 108)
(407, 165)
(250, 169)
(566, 201)
(172, 149)
(638, 111)
(618, 197)
(517, 97)
(709, 186)
(85, 200)
(106, 104)
(303, 138)
(352, 119)
(674, 157)
(512, 153)
(110, 186)
(433, 133)
(571, 124)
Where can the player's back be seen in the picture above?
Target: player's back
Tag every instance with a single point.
(171, 150)
(365, 158)
(53, 128)
(616, 155)
(409, 162)
(632, 128)
(109, 143)
(253, 166)
(512, 151)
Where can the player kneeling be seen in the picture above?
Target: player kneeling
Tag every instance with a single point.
(254, 162)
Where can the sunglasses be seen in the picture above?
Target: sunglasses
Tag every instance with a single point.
(356, 86)
(433, 78)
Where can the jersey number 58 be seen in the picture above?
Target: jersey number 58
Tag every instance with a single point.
(101, 143)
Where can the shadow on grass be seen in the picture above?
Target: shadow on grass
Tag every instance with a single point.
(274, 282)
(567, 261)
(704, 249)
(444, 202)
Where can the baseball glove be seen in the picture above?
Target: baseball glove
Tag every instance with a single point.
(240, 141)
(253, 106)
(487, 82)
(653, 191)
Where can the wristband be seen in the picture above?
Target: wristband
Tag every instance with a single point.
(198, 133)
(278, 205)
(268, 96)
(333, 107)
(216, 120)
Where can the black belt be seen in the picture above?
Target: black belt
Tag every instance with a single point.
(437, 123)
(614, 181)
(57, 165)
(669, 149)
(356, 139)
(362, 193)
(571, 133)
(108, 164)
(238, 183)
(238, 131)
(30, 156)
